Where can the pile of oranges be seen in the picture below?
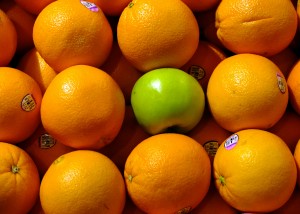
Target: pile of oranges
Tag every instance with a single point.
(69, 139)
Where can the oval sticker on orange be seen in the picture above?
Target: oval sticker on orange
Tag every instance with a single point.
(231, 142)
(89, 5)
(28, 103)
(46, 141)
(281, 83)
(211, 147)
(197, 71)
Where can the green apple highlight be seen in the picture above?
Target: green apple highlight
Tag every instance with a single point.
(167, 100)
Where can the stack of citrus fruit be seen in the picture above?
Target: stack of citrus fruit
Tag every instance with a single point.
(73, 139)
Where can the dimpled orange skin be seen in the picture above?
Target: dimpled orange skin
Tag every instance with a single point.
(255, 26)
(247, 91)
(83, 107)
(17, 119)
(258, 174)
(19, 180)
(8, 39)
(81, 182)
(167, 173)
(68, 33)
(154, 34)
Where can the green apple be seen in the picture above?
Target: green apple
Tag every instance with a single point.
(167, 100)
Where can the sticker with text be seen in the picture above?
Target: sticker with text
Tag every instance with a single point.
(211, 147)
(89, 5)
(281, 83)
(231, 142)
(28, 103)
(46, 141)
(197, 72)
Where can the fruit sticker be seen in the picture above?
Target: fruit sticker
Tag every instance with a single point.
(46, 141)
(89, 5)
(231, 142)
(211, 147)
(197, 72)
(28, 103)
(281, 83)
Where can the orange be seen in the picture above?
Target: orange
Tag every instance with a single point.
(69, 33)
(297, 159)
(203, 62)
(34, 7)
(130, 135)
(83, 107)
(167, 173)
(263, 27)
(285, 60)
(8, 39)
(19, 180)
(154, 33)
(255, 171)
(35, 66)
(293, 82)
(287, 128)
(247, 91)
(20, 109)
(201, 5)
(122, 71)
(80, 182)
(23, 22)
(292, 205)
(213, 203)
(209, 134)
(43, 149)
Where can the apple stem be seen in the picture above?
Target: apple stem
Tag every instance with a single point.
(15, 169)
